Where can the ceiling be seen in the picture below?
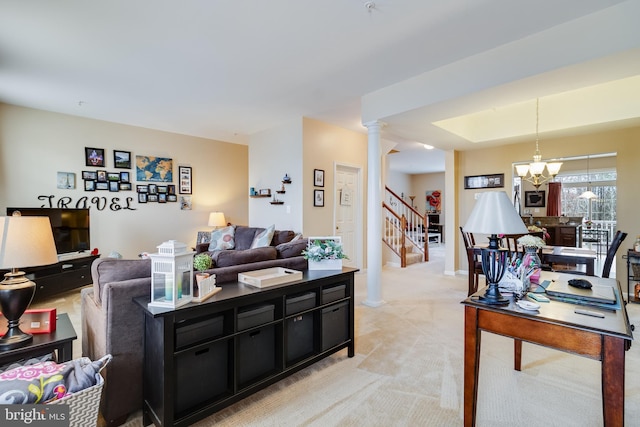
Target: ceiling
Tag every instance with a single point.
(225, 69)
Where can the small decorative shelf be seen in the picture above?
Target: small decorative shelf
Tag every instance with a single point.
(280, 191)
(258, 195)
(277, 202)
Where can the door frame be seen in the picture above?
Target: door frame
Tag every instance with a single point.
(359, 201)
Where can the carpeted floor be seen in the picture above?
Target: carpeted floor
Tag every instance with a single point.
(408, 369)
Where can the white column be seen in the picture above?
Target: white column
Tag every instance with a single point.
(374, 216)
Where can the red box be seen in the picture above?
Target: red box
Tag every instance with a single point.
(37, 321)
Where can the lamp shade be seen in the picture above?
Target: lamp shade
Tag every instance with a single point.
(494, 214)
(216, 219)
(26, 241)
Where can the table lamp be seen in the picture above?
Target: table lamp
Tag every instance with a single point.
(216, 219)
(25, 241)
(494, 214)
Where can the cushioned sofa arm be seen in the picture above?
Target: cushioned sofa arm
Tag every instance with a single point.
(291, 249)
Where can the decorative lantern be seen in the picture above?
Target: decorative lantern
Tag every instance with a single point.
(171, 275)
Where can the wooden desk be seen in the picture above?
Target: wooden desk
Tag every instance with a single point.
(555, 325)
(566, 255)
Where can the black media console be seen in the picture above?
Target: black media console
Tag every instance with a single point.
(202, 357)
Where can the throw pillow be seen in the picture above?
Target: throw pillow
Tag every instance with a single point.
(263, 239)
(223, 239)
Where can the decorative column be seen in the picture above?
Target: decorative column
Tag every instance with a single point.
(374, 216)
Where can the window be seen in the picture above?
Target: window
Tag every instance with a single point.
(603, 184)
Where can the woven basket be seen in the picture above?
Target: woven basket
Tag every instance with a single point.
(83, 405)
(636, 271)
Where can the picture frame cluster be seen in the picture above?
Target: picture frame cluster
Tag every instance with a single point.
(156, 193)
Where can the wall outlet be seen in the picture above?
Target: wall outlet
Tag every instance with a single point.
(288, 209)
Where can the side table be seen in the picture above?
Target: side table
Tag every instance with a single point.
(61, 340)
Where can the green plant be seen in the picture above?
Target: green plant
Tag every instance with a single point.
(327, 249)
(202, 262)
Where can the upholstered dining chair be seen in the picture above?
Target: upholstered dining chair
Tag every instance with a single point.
(475, 262)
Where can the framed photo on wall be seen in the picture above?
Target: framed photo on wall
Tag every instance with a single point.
(184, 174)
(318, 178)
(121, 159)
(318, 198)
(484, 181)
(94, 156)
(534, 199)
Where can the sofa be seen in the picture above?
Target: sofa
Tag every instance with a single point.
(113, 324)
(283, 251)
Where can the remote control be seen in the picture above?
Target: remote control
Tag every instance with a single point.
(588, 312)
(538, 297)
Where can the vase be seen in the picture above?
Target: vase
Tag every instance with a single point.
(532, 265)
(326, 264)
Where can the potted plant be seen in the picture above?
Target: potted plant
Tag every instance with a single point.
(202, 262)
(324, 253)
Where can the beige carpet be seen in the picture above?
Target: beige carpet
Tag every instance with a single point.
(408, 369)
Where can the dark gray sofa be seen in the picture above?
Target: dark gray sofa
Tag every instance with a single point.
(113, 324)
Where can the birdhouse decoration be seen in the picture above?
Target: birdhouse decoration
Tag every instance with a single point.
(171, 275)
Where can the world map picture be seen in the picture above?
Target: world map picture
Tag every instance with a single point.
(149, 168)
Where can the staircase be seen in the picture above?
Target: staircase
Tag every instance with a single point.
(405, 230)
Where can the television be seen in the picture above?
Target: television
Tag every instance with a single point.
(70, 226)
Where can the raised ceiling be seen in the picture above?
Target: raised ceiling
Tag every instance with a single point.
(227, 69)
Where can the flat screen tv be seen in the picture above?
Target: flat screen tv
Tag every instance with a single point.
(70, 227)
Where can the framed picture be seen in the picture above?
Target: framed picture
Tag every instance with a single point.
(162, 198)
(318, 178)
(153, 189)
(172, 198)
(152, 197)
(171, 189)
(125, 186)
(318, 198)
(150, 168)
(162, 189)
(125, 177)
(142, 197)
(67, 180)
(113, 176)
(102, 185)
(184, 172)
(122, 159)
(534, 199)
(185, 203)
(89, 185)
(114, 186)
(89, 175)
(102, 176)
(142, 188)
(94, 156)
(484, 181)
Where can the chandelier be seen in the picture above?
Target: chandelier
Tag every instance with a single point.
(534, 171)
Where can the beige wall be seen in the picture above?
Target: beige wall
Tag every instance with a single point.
(323, 146)
(499, 159)
(420, 183)
(35, 145)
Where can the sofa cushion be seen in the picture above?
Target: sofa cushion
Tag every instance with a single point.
(223, 238)
(245, 236)
(291, 249)
(236, 257)
(282, 236)
(263, 238)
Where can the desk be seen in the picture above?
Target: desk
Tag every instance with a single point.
(566, 255)
(555, 325)
(61, 340)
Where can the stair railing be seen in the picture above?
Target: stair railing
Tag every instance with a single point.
(404, 226)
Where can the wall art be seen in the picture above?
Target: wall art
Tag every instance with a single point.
(121, 159)
(484, 181)
(318, 198)
(434, 200)
(150, 168)
(67, 180)
(94, 157)
(318, 178)
(184, 174)
(534, 199)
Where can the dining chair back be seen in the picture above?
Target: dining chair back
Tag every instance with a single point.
(611, 253)
(474, 260)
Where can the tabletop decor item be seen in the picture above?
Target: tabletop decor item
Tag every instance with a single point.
(171, 275)
(494, 214)
(325, 253)
(25, 241)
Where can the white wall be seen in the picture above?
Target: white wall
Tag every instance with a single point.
(273, 154)
(35, 145)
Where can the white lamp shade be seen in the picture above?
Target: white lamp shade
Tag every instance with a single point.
(522, 170)
(588, 195)
(26, 241)
(494, 214)
(536, 168)
(554, 168)
(216, 219)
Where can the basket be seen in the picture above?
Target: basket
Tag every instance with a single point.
(636, 271)
(83, 405)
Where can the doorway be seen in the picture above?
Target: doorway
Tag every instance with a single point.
(348, 221)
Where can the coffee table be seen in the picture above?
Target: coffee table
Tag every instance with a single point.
(61, 340)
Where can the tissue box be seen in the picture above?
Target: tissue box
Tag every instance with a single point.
(37, 321)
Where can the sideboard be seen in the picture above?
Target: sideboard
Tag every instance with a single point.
(202, 357)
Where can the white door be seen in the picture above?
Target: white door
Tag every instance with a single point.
(348, 221)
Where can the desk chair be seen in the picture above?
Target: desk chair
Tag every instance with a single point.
(611, 255)
(475, 262)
